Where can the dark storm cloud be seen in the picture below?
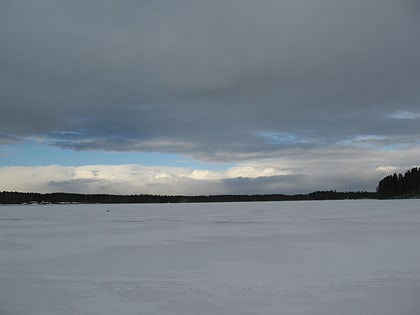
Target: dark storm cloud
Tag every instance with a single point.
(239, 185)
(264, 184)
(209, 78)
(296, 183)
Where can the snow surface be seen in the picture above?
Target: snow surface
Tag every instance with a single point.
(317, 257)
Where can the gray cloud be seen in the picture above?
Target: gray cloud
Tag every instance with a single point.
(237, 185)
(209, 78)
(263, 184)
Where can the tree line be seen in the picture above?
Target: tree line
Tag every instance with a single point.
(400, 185)
(7, 197)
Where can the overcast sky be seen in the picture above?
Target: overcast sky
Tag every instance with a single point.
(204, 97)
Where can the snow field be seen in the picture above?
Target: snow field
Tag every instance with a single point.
(316, 257)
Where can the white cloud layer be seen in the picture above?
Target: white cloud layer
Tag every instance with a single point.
(333, 169)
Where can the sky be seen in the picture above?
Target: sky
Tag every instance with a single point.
(207, 97)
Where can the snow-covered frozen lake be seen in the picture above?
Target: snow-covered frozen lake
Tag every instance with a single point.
(316, 257)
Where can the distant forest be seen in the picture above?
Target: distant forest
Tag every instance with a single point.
(55, 198)
(393, 186)
(400, 185)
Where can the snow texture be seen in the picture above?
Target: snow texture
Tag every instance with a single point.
(317, 257)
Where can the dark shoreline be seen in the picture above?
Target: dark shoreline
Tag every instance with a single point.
(7, 197)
